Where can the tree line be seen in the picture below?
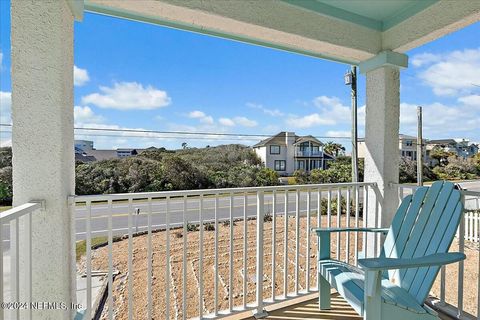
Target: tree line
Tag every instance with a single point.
(224, 166)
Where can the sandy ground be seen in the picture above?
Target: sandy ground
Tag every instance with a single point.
(140, 301)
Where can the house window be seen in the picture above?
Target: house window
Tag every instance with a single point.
(409, 143)
(274, 149)
(300, 165)
(280, 165)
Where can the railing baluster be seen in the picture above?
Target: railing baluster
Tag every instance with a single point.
(110, 261)
(461, 248)
(245, 249)
(339, 222)
(215, 282)
(307, 258)
(319, 208)
(365, 220)
(230, 269)
(17, 266)
(200, 261)
(130, 261)
(28, 231)
(297, 239)
(167, 258)
(285, 248)
(319, 222)
(184, 259)
(329, 208)
(2, 315)
(442, 285)
(259, 269)
(357, 214)
(149, 260)
(347, 235)
(478, 288)
(274, 240)
(88, 243)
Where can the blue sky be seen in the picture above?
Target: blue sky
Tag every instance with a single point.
(140, 76)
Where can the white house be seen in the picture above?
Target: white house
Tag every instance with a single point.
(407, 146)
(286, 152)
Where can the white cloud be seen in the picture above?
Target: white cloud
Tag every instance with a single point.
(80, 76)
(308, 121)
(270, 112)
(332, 112)
(5, 107)
(450, 73)
(201, 116)
(440, 120)
(85, 115)
(226, 122)
(471, 100)
(334, 133)
(245, 122)
(238, 121)
(421, 59)
(128, 96)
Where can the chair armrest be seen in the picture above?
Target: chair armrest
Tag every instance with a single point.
(437, 259)
(332, 230)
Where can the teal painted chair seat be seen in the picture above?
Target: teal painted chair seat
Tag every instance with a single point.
(349, 281)
(395, 284)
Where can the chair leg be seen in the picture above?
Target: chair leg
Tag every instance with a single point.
(323, 293)
(373, 296)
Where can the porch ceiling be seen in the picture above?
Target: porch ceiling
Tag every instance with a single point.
(349, 31)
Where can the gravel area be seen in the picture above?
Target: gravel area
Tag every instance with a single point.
(192, 308)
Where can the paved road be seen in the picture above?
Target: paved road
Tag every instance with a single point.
(100, 213)
(99, 220)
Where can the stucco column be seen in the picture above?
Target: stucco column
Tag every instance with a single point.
(381, 136)
(42, 143)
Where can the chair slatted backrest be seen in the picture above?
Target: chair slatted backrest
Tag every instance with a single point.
(425, 223)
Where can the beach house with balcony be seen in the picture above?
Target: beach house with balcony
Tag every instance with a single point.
(286, 152)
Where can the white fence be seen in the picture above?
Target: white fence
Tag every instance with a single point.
(217, 252)
(10, 261)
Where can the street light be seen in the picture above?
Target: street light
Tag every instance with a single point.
(348, 78)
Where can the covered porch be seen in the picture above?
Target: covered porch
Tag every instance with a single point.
(371, 34)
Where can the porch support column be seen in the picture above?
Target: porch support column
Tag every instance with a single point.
(381, 135)
(42, 143)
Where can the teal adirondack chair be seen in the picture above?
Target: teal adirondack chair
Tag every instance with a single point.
(396, 284)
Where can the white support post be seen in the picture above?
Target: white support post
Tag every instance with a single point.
(42, 143)
(381, 134)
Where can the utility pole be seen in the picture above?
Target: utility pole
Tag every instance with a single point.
(419, 147)
(351, 79)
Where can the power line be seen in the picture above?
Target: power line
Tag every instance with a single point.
(207, 135)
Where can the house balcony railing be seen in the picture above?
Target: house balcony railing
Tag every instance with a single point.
(211, 253)
(308, 153)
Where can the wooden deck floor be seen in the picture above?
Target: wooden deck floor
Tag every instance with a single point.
(308, 309)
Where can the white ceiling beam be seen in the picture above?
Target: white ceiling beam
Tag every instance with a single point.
(267, 23)
(439, 19)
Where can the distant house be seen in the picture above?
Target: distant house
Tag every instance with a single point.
(85, 152)
(287, 152)
(407, 147)
(461, 148)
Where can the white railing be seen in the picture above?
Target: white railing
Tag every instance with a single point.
(10, 290)
(211, 253)
(454, 289)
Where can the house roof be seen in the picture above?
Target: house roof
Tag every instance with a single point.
(280, 138)
(442, 141)
(308, 138)
(102, 154)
